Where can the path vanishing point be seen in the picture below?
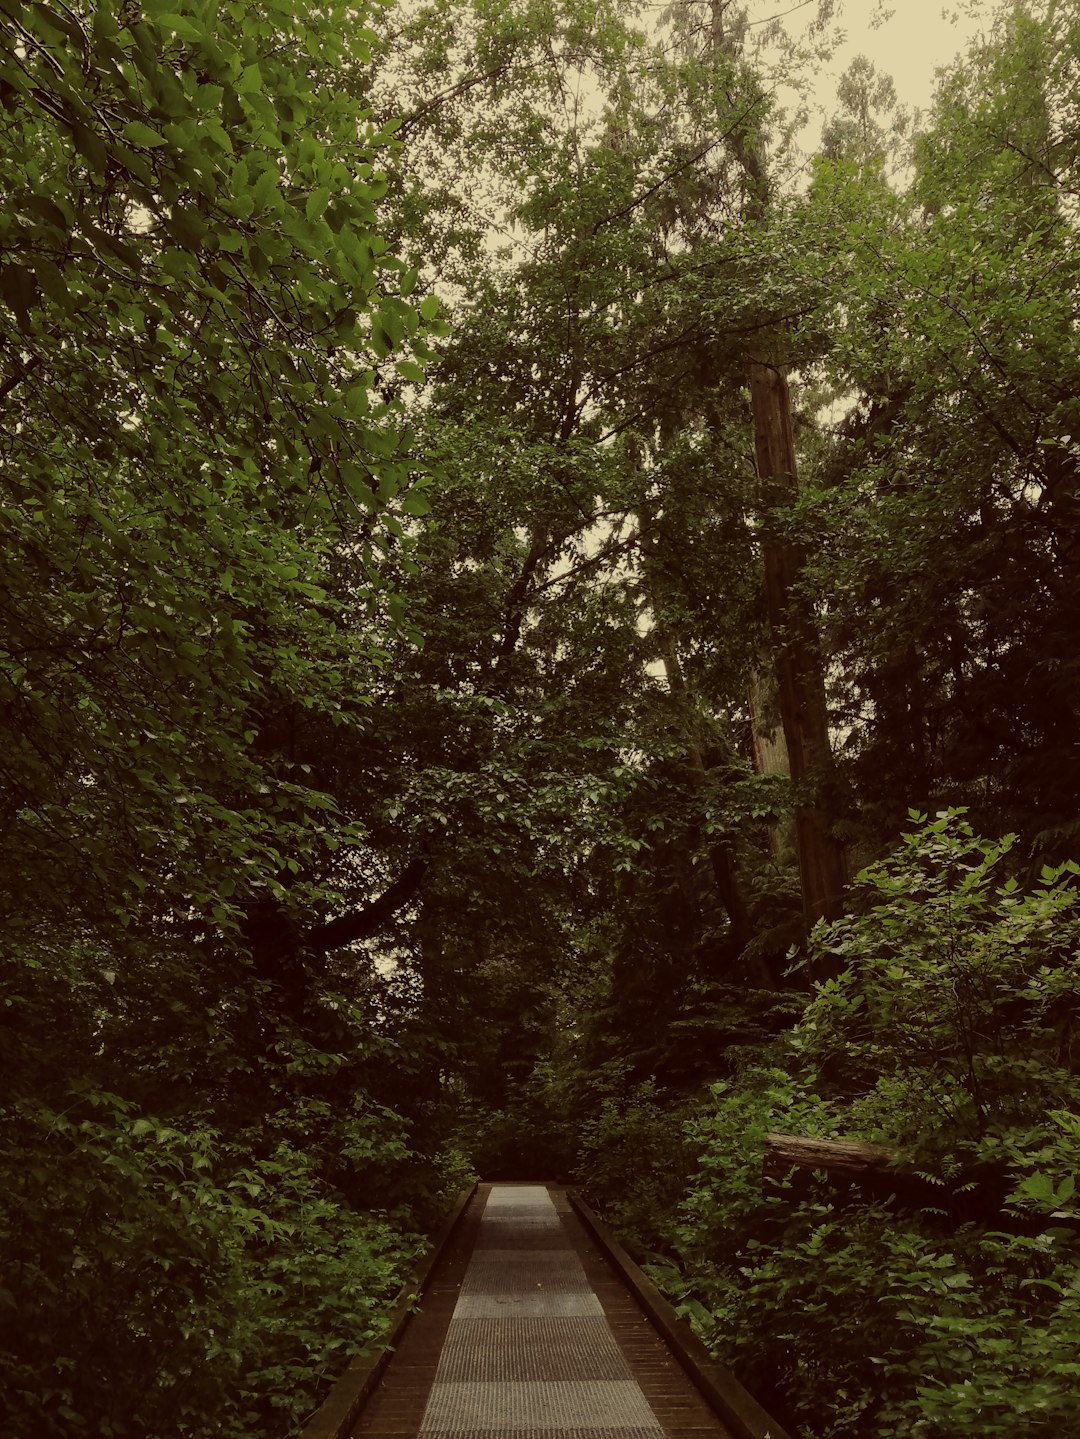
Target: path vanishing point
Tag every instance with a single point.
(527, 1332)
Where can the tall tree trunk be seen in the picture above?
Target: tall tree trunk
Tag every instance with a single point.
(768, 743)
(799, 675)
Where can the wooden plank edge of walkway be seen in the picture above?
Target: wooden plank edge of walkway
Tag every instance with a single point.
(735, 1405)
(340, 1409)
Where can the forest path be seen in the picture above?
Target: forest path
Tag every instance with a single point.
(526, 1332)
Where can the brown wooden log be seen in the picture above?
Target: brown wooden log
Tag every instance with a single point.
(851, 1158)
(873, 1172)
(857, 1171)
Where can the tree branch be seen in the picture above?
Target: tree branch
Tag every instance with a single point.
(362, 923)
(448, 94)
(591, 562)
(18, 376)
(671, 174)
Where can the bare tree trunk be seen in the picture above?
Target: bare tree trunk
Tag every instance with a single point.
(799, 676)
(769, 745)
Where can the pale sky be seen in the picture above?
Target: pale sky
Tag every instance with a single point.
(907, 40)
(909, 45)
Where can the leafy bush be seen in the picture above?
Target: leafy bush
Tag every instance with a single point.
(951, 1023)
(732, 1244)
(203, 1291)
(527, 1137)
(850, 1321)
(947, 1034)
(634, 1161)
(996, 1320)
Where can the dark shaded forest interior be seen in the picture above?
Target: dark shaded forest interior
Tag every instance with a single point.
(539, 640)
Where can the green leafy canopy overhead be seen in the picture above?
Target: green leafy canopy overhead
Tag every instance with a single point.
(202, 335)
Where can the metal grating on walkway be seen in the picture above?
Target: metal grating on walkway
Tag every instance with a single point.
(530, 1335)
(515, 1300)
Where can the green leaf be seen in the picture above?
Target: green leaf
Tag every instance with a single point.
(416, 502)
(91, 147)
(250, 80)
(140, 133)
(266, 188)
(409, 370)
(51, 281)
(180, 25)
(317, 202)
(187, 227)
(18, 287)
(208, 97)
(51, 211)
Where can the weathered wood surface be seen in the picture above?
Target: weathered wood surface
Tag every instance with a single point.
(851, 1157)
(408, 1399)
(977, 1195)
(739, 1410)
(336, 1415)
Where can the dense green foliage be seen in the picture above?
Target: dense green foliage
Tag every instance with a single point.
(950, 1036)
(207, 1201)
(394, 753)
(948, 522)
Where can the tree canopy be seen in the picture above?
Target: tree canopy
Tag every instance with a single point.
(490, 557)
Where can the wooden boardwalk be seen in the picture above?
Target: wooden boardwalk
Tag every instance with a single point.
(527, 1332)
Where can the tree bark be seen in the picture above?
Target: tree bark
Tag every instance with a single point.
(849, 1157)
(799, 676)
(769, 745)
(800, 681)
(361, 923)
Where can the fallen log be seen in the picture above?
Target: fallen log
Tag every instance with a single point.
(849, 1157)
(856, 1170)
(977, 1195)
